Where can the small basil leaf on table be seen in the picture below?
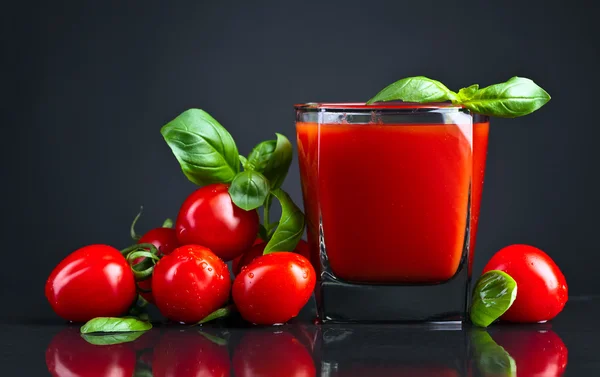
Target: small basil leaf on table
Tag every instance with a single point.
(492, 359)
(517, 97)
(219, 313)
(418, 89)
(291, 225)
(494, 293)
(110, 339)
(272, 158)
(115, 324)
(249, 190)
(205, 150)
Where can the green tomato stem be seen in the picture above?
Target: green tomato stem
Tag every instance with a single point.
(168, 223)
(134, 235)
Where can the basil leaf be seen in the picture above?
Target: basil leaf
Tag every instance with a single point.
(249, 190)
(467, 93)
(106, 340)
(115, 324)
(204, 149)
(243, 160)
(291, 225)
(517, 97)
(492, 359)
(418, 89)
(272, 158)
(494, 293)
(219, 313)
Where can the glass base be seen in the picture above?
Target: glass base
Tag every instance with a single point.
(339, 301)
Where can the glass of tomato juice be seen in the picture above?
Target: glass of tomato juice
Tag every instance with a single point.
(391, 194)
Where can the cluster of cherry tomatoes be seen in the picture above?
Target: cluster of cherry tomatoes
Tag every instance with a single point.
(183, 270)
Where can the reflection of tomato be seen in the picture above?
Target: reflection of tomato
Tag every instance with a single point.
(537, 353)
(275, 354)
(273, 288)
(189, 353)
(541, 287)
(209, 218)
(70, 355)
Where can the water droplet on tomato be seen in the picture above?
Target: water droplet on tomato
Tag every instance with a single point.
(251, 275)
(204, 265)
(305, 275)
(210, 268)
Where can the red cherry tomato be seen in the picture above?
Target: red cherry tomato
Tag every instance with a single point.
(70, 355)
(94, 281)
(257, 250)
(165, 240)
(536, 352)
(273, 288)
(189, 353)
(272, 355)
(209, 218)
(541, 287)
(190, 283)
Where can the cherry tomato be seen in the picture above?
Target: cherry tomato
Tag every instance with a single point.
(257, 250)
(269, 354)
(541, 287)
(209, 218)
(94, 281)
(190, 283)
(165, 240)
(189, 353)
(273, 288)
(68, 354)
(536, 352)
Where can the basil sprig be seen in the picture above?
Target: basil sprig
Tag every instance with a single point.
(207, 154)
(516, 97)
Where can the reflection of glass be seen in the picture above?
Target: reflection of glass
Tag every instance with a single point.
(518, 352)
(391, 351)
(387, 192)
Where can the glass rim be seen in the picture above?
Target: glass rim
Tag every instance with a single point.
(361, 106)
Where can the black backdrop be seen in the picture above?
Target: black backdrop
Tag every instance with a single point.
(87, 85)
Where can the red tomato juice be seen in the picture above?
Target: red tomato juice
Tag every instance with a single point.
(392, 197)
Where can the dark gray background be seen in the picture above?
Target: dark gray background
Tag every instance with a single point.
(87, 85)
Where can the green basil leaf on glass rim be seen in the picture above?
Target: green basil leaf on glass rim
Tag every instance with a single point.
(249, 190)
(491, 359)
(467, 93)
(517, 97)
(272, 158)
(110, 339)
(418, 89)
(494, 293)
(115, 324)
(290, 228)
(205, 150)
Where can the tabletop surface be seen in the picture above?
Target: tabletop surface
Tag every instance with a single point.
(42, 347)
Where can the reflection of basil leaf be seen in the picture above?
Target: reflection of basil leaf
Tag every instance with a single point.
(492, 359)
(418, 89)
(117, 338)
(249, 190)
(291, 225)
(115, 324)
(516, 97)
(204, 149)
(494, 293)
(272, 158)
